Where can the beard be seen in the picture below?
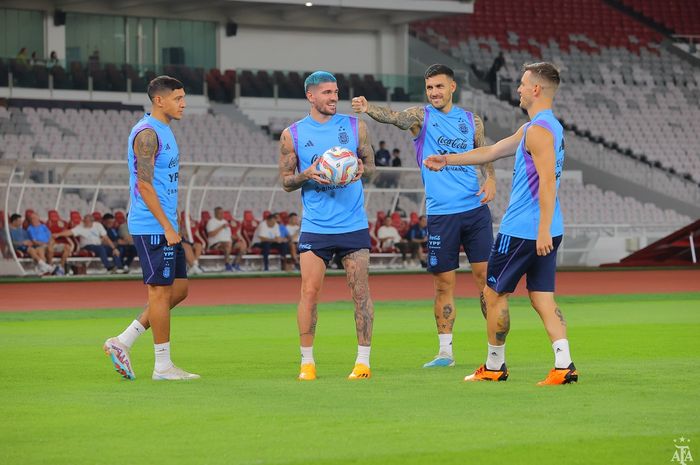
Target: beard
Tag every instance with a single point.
(322, 109)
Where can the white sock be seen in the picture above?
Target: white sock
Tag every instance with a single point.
(445, 344)
(195, 263)
(562, 357)
(307, 355)
(363, 355)
(496, 357)
(163, 361)
(131, 333)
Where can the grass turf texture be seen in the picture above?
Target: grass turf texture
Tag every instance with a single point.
(61, 403)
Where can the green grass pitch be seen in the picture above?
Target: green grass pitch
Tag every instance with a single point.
(638, 359)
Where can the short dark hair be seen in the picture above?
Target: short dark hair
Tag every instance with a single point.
(382, 142)
(14, 216)
(438, 69)
(217, 209)
(544, 70)
(396, 151)
(107, 216)
(161, 84)
(291, 215)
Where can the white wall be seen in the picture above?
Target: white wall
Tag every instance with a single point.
(54, 37)
(364, 52)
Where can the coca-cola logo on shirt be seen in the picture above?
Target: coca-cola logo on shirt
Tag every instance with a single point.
(453, 143)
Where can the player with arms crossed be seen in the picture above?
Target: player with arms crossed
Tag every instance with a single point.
(532, 226)
(154, 164)
(457, 211)
(334, 221)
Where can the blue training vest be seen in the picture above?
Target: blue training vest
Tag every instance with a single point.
(522, 216)
(453, 189)
(328, 209)
(166, 173)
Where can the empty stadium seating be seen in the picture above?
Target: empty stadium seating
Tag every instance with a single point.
(619, 85)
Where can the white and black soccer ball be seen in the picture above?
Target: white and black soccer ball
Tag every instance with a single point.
(338, 165)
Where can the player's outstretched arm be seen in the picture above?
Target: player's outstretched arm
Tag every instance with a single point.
(410, 118)
(501, 149)
(145, 150)
(365, 153)
(290, 179)
(488, 187)
(540, 143)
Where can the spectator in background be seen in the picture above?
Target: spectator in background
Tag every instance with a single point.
(125, 245)
(219, 237)
(193, 249)
(418, 234)
(292, 234)
(388, 236)
(21, 58)
(53, 59)
(23, 243)
(41, 237)
(396, 158)
(492, 75)
(382, 157)
(93, 238)
(268, 235)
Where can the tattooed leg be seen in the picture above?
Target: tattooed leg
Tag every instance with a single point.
(479, 275)
(444, 306)
(312, 272)
(497, 316)
(552, 317)
(357, 272)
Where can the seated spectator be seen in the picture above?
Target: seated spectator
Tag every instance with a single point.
(389, 238)
(41, 237)
(23, 243)
(93, 238)
(192, 249)
(396, 158)
(418, 234)
(268, 235)
(219, 237)
(292, 234)
(121, 237)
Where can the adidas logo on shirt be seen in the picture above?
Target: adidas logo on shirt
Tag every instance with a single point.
(309, 144)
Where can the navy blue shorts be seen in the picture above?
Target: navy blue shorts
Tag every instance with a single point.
(472, 229)
(325, 246)
(512, 257)
(160, 263)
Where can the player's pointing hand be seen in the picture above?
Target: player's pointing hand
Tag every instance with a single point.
(359, 104)
(435, 162)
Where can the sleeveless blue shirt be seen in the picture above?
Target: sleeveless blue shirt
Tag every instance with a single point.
(165, 179)
(453, 189)
(328, 209)
(522, 216)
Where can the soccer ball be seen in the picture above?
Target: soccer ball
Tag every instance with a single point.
(338, 165)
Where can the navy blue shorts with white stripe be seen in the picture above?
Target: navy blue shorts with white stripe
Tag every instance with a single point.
(513, 257)
(161, 263)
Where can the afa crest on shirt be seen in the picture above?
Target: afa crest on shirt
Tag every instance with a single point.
(464, 129)
(343, 137)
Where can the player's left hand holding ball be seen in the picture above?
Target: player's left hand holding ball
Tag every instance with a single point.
(360, 170)
(314, 174)
(435, 162)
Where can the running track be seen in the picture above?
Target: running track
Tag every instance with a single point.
(229, 291)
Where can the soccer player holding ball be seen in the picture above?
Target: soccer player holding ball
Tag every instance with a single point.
(334, 222)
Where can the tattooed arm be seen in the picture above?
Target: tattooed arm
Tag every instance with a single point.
(145, 150)
(410, 118)
(488, 188)
(365, 152)
(288, 166)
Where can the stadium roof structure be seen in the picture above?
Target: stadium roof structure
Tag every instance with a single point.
(317, 14)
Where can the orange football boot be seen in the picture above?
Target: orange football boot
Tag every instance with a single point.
(307, 372)
(484, 374)
(360, 371)
(566, 375)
